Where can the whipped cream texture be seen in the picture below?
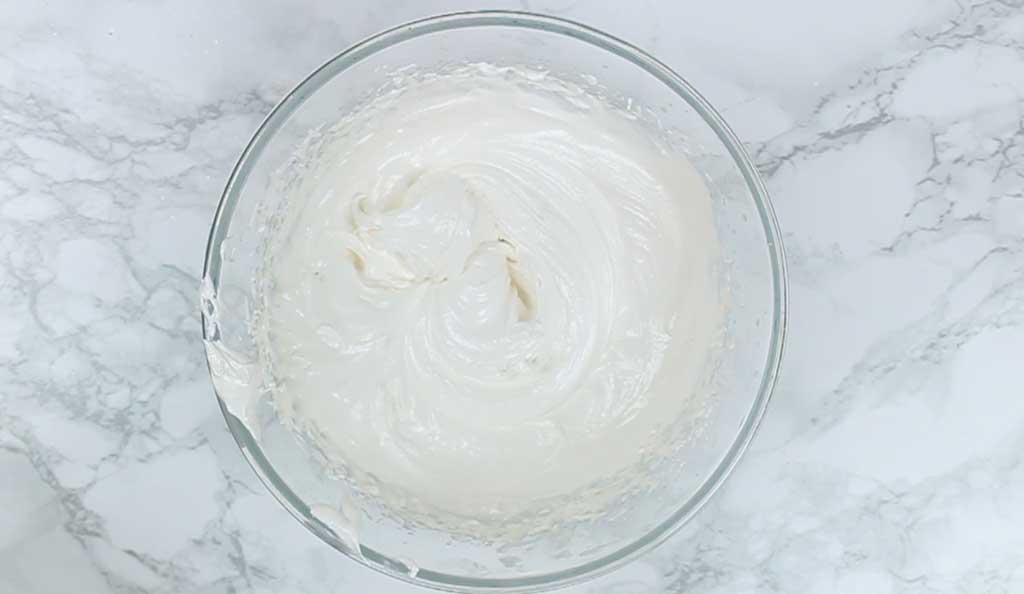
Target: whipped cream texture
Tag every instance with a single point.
(491, 288)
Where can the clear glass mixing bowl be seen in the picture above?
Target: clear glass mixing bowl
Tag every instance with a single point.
(751, 273)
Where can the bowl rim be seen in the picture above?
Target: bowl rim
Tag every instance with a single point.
(545, 23)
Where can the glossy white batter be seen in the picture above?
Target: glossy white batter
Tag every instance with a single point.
(490, 290)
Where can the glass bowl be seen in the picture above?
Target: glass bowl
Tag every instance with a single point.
(751, 273)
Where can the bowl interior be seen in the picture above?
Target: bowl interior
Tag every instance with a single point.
(725, 412)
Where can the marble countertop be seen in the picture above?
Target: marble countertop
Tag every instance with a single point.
(891, 135)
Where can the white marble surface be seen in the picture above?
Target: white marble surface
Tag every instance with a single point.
(891, 135)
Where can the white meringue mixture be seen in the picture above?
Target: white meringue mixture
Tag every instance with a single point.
(492, 288)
